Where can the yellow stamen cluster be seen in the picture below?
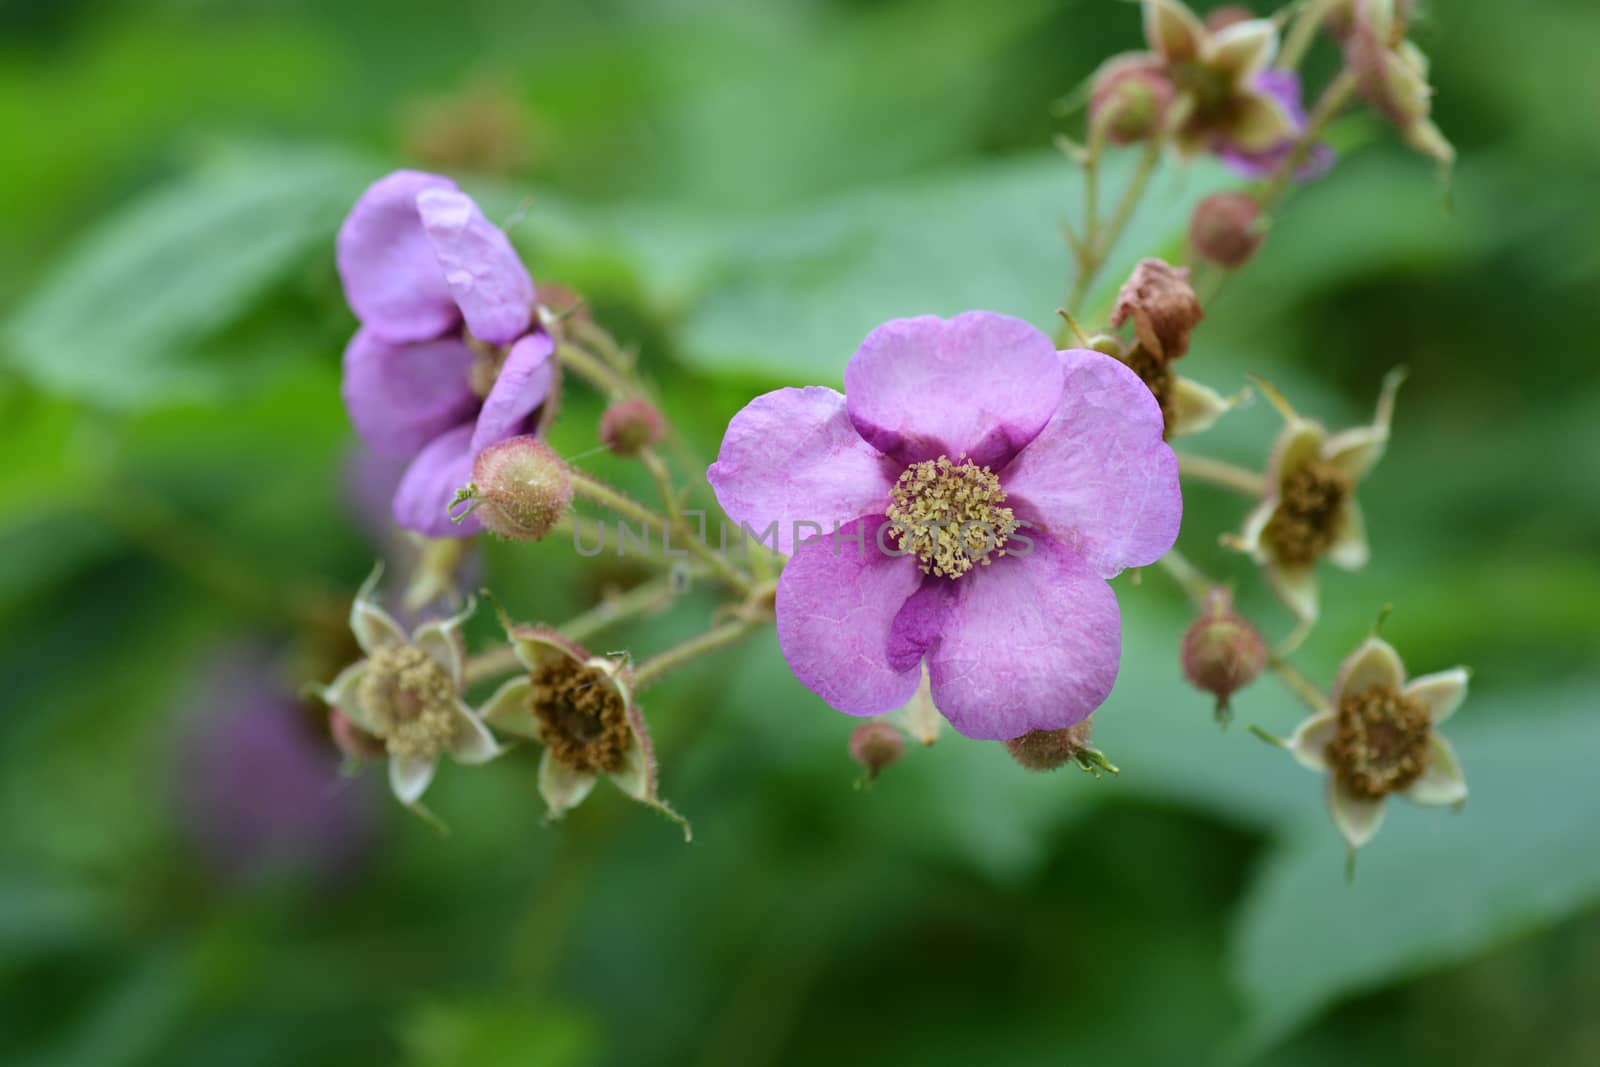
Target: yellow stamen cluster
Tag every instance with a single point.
(1381, 744)
(949, 515)
(410, 701)
(582, 718)
(1305, 523)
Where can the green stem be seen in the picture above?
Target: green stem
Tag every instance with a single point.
(715, 639)
(1304, 31)
(690, 540)
(598, 492)
(1299, 683)
(1190, 578)
(1220, 473)
(1332, 101)
(597, 372)
(1098, 247)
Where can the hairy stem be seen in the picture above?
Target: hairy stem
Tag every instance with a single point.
(1332, 101)
(1190, 578)
(715, 639)
(1100, 240)
(694, 543)
(1299, 683)
(1220, 473)
(1304, 30)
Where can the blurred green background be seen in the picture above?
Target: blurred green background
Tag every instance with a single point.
(742, 190)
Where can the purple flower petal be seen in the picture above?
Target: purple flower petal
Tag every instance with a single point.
(919, 622)
(401, 396)
(482, 270)
(791, 456)
(1031, 643)
(835, 613)
(391, 275)
(522, 386)
(980, 384)
(430, 483)
(1099, 478)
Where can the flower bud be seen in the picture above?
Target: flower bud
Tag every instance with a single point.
(1129, 98)
(1045, 750)
(520, 489)
(1219, 19)
(1164, 309)
(876, 745)
(1108, 344)
(1223, 229)
(630, 426)
(352, 740)
(1222, 652)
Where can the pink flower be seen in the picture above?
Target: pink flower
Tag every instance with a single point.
(972, 493)
(448, 359)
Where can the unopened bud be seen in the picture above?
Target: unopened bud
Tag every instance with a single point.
(1129, 98)
(520, 489)
(1163, 306)
(630, 426)
(1224, 229)
(1222, 652)
(1109, 344)
(1045, 750)
(1219, 19)
(876, 745)
(352, 740)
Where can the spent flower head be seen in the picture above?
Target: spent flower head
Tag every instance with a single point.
(1392, 73)
(405, 694)
(963, 503)
(1379, 736)
(581, 708)
(450, 356)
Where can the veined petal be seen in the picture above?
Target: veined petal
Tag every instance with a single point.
(473, 743)
(835, 612)
(1099, 478)
(441, 639)
(1031, 643)
(1442, 782)
(430, 483)
(373, 627)
(409, 778)
(510, 711)
(1441, 693)
(1296, 586)
(1243, 50)
(1374, 663)
(523, 385)
(980, 385)
(1172, 30)
(485, 277)
(1349, 546)
(1309, 743)
(391, 276)
(401, 396)
(562, 787)
(793, 456)
(1357, 818)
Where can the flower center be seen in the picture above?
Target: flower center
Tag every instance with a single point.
(949, 515)
(484, 370)
(582, 719)
(1381, 744)
(410, 701)
(1304, 524)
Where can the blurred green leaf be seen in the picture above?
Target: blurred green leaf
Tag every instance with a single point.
(1433, 888)
(502, 1033)
(119, 321)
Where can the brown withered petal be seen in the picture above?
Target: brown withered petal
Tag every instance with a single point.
(1162, 305)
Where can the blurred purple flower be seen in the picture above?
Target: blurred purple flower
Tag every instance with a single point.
(448, 358)
(1284, 87)
(258, 791)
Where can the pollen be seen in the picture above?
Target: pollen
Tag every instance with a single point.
(1306, 521)
(949, 515)
(411, 701)
(1381, 744)
(583, 720)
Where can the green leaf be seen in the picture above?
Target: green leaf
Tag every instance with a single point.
(1433, 888)
(495, 1034)
(122, 320)
(799, 291)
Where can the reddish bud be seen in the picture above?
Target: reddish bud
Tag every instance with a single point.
(520, 489)
(1224, 229)
(1129, 98)
(876, 745)
(1219, 19)
(630, 426)
(1222, 652)
(1045, 750)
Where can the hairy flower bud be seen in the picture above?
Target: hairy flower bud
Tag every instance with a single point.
(1164, 309)
(630, 426)
(1129, 98)
(1045, 750)
(876, 745)
(1223, 229)
(520, 488)
(1222, 652)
